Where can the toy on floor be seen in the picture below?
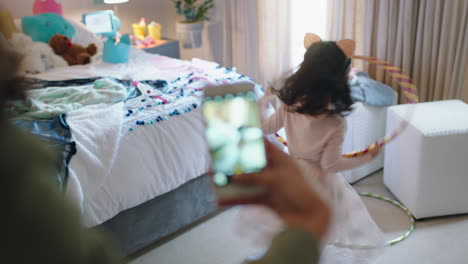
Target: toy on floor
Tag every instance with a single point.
(38, 57)
(72, 53)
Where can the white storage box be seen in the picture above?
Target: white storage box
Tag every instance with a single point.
(426, 167)
(366, 124)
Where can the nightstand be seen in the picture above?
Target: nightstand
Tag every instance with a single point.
(165, 47)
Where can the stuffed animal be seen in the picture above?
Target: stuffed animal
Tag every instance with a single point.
(38, 57)
(42, 27)
(72, 53)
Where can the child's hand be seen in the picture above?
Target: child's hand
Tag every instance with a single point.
(376, 151)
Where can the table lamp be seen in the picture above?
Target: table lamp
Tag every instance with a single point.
(115, 1)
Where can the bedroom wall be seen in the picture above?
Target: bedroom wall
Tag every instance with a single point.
(161, 11)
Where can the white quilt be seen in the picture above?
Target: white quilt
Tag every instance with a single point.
(112, 172)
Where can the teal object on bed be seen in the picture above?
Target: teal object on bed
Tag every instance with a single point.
(117, 53)
(42, 27)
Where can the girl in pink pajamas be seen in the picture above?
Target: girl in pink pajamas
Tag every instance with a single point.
(314, 100)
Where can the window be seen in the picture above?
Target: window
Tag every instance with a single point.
(306, 16)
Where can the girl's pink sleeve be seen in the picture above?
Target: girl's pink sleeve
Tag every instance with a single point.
(275, 122)
(332, 160)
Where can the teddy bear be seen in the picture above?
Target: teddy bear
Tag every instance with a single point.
(72, 53)
(37, 57)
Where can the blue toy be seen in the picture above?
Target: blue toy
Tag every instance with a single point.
(42, 27)
(117, 53)
(103, 23)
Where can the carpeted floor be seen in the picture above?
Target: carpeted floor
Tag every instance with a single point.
(439, 240)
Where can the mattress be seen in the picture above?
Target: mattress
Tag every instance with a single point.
(123, 159)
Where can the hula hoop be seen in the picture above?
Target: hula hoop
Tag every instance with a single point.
(410, 93)
(408, 89)
(390, 242)
(402, 207)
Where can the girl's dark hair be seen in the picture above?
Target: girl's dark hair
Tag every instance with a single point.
(320, 86)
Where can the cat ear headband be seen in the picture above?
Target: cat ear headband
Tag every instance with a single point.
(346, 45)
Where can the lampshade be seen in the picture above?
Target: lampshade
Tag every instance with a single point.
(115, 1)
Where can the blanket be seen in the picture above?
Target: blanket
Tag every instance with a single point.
(162, 99)
(52, 101)
(369, 91)
(96, 131)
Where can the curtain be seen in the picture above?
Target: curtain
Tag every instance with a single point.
(346, 21)
(274, 56)
(426, 38)
(441, 51)
(240, 36)
(389, 34)
(251, 35)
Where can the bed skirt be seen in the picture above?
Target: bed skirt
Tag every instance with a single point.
(138, 227)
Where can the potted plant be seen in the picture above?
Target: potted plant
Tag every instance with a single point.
(195, 12)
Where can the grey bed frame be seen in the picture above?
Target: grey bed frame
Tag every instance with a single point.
(139, 227)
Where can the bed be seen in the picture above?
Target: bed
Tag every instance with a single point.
(136, 167)
(133, 158)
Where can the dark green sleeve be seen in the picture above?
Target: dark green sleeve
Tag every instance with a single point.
(292, 246)
(42, 227)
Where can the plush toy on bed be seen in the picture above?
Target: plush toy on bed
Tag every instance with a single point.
(37, 57)
(74, 54)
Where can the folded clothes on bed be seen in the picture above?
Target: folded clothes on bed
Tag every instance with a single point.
(369, 91)
(52, 101)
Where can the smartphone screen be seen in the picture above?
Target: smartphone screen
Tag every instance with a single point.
(234, 135)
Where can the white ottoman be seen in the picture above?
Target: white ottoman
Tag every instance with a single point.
(365, 125)
(426, 167)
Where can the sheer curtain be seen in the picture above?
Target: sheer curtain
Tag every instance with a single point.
(263, 38)
(345, 20)
(389, 33)
(251, 35)
(428, 39)
(274, 50)
(232, 36)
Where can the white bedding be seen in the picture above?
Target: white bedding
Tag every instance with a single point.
(141, 66)
(142, 164)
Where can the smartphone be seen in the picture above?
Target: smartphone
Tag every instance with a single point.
(234, 137)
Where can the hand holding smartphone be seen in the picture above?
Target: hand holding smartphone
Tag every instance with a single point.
(234, 137)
